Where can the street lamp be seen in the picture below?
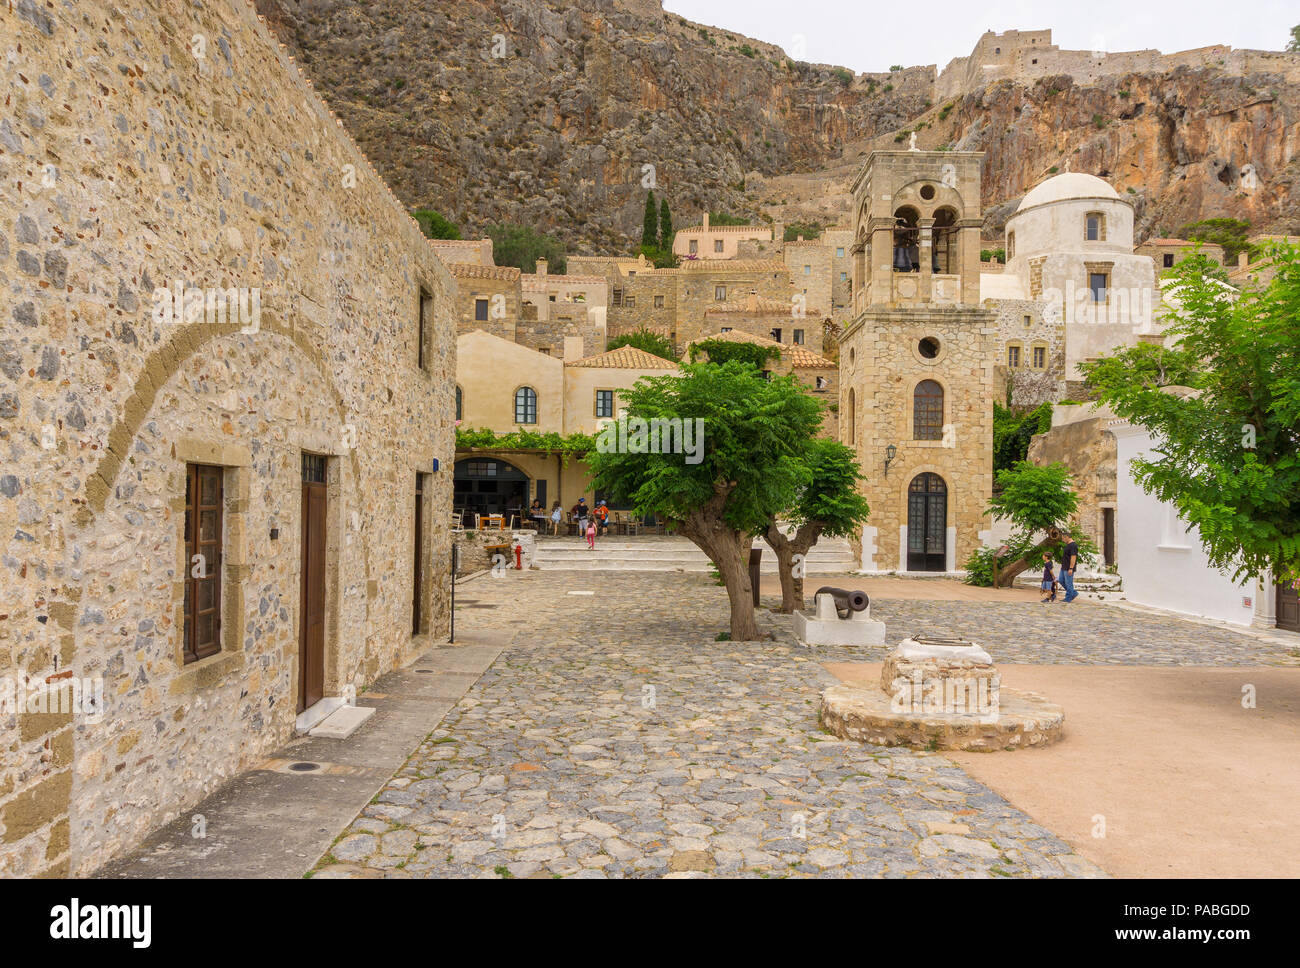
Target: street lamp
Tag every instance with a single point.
(890, 453)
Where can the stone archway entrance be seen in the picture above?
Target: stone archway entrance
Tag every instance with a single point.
(927, 523)
(485, 485)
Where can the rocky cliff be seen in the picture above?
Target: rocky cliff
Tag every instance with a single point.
(547, 113)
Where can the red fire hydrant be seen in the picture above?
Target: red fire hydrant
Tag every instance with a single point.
(519, 557)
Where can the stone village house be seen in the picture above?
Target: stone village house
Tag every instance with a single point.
(217, 516)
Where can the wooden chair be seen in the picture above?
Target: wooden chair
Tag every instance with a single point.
(632, 525)
(456, 519)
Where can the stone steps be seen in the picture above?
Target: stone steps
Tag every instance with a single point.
(665, 553)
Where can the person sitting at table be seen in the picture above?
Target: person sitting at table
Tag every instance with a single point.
(537, 513)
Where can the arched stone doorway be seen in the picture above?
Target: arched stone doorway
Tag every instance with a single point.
(485, 485)
(927, 523)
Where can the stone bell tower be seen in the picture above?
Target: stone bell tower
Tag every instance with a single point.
(917, 361)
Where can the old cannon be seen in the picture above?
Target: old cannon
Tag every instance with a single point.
(839, 617)
(845, 601)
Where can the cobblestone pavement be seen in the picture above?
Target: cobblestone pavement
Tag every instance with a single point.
(616, 738)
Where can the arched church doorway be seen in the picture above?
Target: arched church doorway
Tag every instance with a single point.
(487, 486)
(927, 523)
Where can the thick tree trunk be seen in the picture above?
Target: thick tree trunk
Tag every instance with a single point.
(728, 549)
(786, 548)
(1006, 576)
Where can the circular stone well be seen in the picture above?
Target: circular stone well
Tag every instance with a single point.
(1024, 720)
(940, 691)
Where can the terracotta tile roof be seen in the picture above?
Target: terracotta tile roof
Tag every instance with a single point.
(755, 305)
(531, 281)
(806, 359)
(796, 356)
(733, 265)
(467, 270)
(626, 358)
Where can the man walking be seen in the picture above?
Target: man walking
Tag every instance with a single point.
(1069, 560)
(579, 512)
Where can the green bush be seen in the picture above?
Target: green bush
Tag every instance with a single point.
(651, 342)
(434, 226)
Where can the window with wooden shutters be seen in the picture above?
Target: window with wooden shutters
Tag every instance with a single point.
(927, 411)
(203, 530)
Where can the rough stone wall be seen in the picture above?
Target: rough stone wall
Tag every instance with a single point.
(128, 160)
(504, 305)
(1025, 63)
(643, 290)
(566, 319)
(881, 366)
(810, 265)
(1088, 449)
(696, 291)
(1030, 386)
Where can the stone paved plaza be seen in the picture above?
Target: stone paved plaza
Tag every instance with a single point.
(615, 737)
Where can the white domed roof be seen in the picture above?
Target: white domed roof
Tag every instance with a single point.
(1068, 185)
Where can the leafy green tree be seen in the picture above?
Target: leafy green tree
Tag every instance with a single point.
(721, 351)
(830, 503)
(434, 226)
(809, 230)
(522, 245)
(653, 343)
(749, 467)
(1228, 232)
(650, 226)
(722, 218)
(1012, 432)
(1040, 504)
(665, 226)
(1227, 456)
(1293, 45)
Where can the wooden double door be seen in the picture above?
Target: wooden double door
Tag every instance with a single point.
(311, 655)
(1288, 608)
(927, 523)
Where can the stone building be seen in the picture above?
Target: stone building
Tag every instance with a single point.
(818, 374)
(1024, 56)
(917, 361)
(226, 383)
(707, 241)
(1169, 252)
(1070, 251)
(672, 302)
(789, 323)
(488, 298)
(505, 386)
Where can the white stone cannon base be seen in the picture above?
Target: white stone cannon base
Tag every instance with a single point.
(826, 627)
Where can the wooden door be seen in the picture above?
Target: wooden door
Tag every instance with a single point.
(1288, 608)
(417, 579)
(927, 523)
(1108, 535)
(311, 664)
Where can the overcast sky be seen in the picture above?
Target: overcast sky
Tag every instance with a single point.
(872, 35)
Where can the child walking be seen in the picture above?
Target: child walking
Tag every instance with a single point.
(557, 515)
(591, 534)
(1049, 580)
